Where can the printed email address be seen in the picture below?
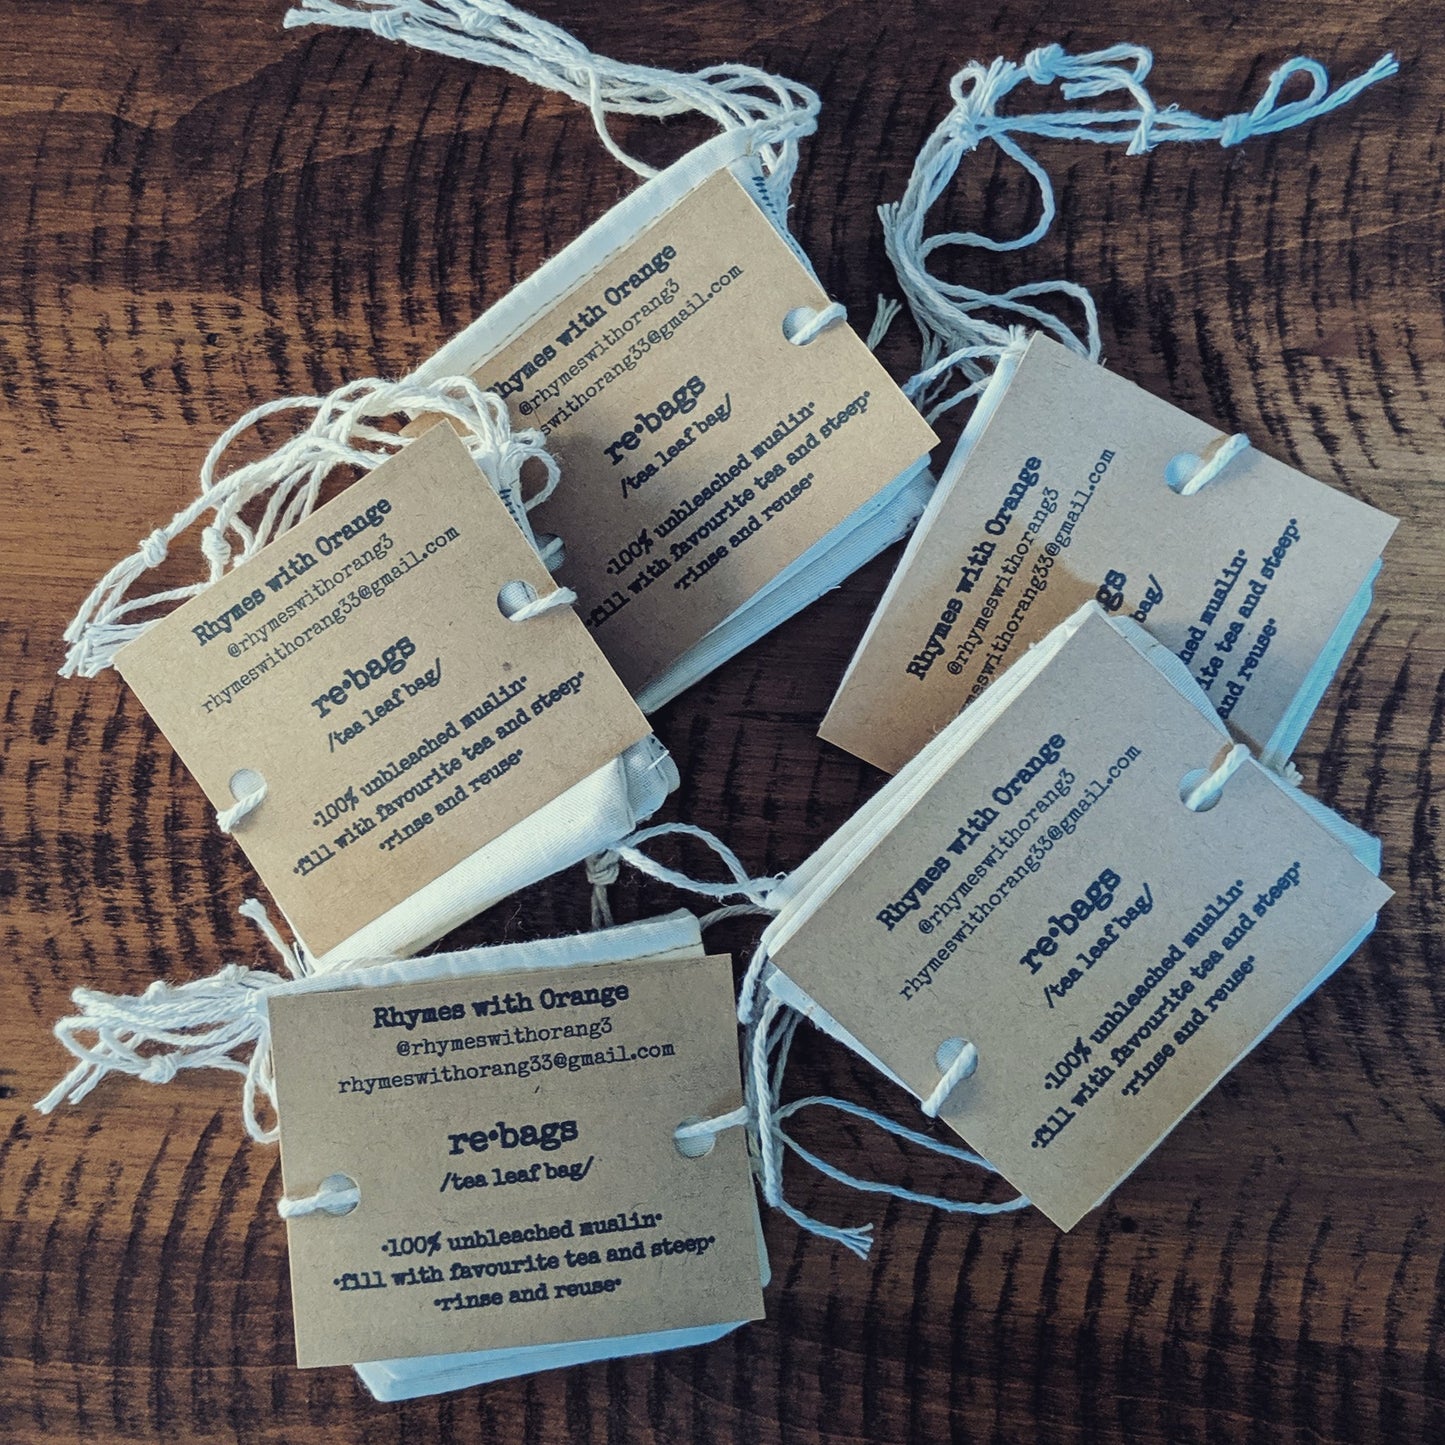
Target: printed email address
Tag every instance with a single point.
(657, 335)
(558, 1062)
(338, 613)
(1065, 824)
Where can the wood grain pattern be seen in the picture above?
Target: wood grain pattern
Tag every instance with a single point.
(201, 211)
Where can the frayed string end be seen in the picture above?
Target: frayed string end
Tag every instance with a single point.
(773, 111)
(959, 323)
(341, 432)
(203, 1024)
(769, 1040)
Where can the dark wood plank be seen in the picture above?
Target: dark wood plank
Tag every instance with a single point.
(202, 211)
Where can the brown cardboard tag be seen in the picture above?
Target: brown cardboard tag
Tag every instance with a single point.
(362, 665)
(1109, 952)
(512, 1139)
(1061, 498)
(702, 451)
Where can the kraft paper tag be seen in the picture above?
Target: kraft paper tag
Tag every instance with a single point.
(702, 451)
(362, 665)
(1062, 497)
(512, 1139)
(1109, 952)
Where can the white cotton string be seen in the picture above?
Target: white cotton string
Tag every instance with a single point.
(769, 1041)
(897, 1191)
(820, 321)
(558, 597)
(710, 1128)
(774, 112)
(228, 818)
(202, 1024)
(196, 1025)
(292, 955)
(752, 981)
(965, 1062)
(1207, 470)
(602, 869)
(733, 910)
(338, 1195)
(340, 433)
(1205, 793)
(696, 1139)
(883, 317)
(953, 317)
(922, 385)
(754, 890)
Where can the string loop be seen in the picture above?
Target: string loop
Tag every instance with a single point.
(769, 1041)
(341, 432)
(202, 1024)
(775, 113)
(743, 885)
(954, 318)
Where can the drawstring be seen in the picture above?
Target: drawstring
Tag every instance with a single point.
(774, 113)
(769, 1041)
(952, 316)
(340, 433)
(202, 1024)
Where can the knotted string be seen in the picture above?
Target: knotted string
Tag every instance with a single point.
(203, 1024)
(774, 112)
(953, 317)
(602, 869)
(340, 433)
(767, 1040)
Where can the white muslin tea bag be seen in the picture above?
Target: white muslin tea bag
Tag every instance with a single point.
(336, 680)
(577, 1097)
(1068, 482)
(732, 450)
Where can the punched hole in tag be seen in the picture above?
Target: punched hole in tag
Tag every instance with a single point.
(518, 601)
(248, 788)
(1186, 473)
(957, 1060)
(1202, 788)
(804, 324)
(695, 1137)
(338, 1194)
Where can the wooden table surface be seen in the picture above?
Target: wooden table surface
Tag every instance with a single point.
(201, 211)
